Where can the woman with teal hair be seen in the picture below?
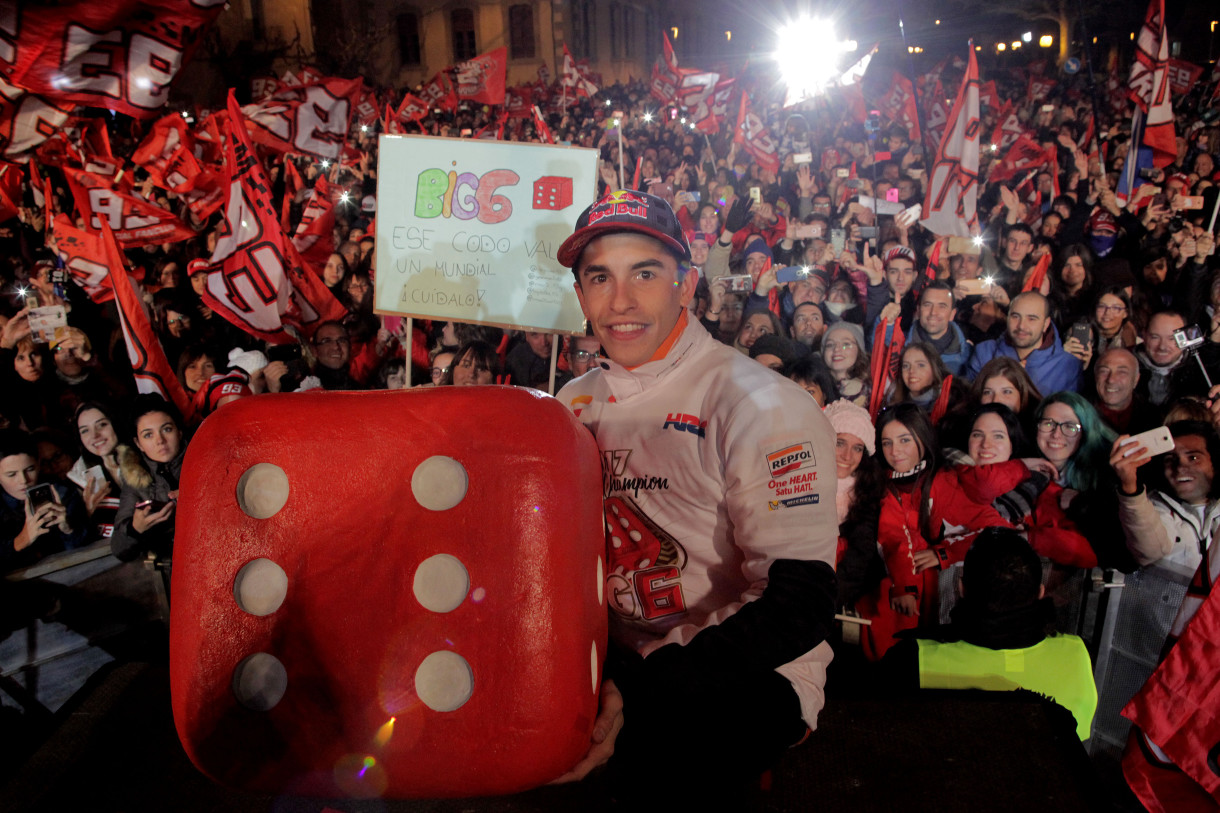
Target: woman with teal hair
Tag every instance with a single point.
(1071, 435)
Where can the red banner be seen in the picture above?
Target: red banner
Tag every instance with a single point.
(151, 369)
(899, 104)
(439, 92)
(10, 192)
(753, 134)
(167, 153)
(120, 54)
(256, 279)
(696, 94)
(412, 108)
(665, 76)
(135, 222)
(988, 96)
(1148, 85)
(1008, 128)
(311, 119)
(263, 88)
(26, 121)
(366, 109)
(482, 79)
(84, 256)
(571, 77)
(1025, 155)
(1182, 76)
(315, 235)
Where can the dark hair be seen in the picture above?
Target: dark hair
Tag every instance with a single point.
(1021, 227)
(1086, 258)
(391, 366)
(148, 403)
(1181, 429)
(939, 285)
(1016, 435)
(1091, 458)
(1001, 572)
(1120, 292)
(15, 442)
(189, 355)
(813, 369)
(1010, 370)
(170, 299)
(939, 371)
(484, 355)
(109, 413)
(919, 425)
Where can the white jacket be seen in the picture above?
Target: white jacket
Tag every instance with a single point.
(714, 467)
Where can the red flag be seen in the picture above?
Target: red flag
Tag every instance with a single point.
(542, 130)
(572, 78)
(26, 121)
(393, 124)
(1008, 127)
(151, 369)
(933, 269)
(482, 79)
(366, 109)
(315, 235)
(256, 279)
(84, 257)
(936, 119)
(754, 136)
(941, 406)
(1039, 87)
(1036, 281)
(121, 54)
(1024, 155)
(899, 104)
(136, 221)
(517, 102)
(665, 75)
(1148, 86)
(311, 119)
(695, 95)
(412, 108)
(168, 155)
(293, 183)
(949, 207)
(882, 363)
(988, 96)
(263, 88)
(10, 191)
(439, 92)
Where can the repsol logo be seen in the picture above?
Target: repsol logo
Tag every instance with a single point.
(685, 423)
(791, 458)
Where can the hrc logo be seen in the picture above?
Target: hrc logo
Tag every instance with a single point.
(685, 423)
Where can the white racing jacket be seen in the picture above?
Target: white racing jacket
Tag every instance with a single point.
(714, 467)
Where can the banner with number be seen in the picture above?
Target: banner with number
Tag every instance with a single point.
(135, 221)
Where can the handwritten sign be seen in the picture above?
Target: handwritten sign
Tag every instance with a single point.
(468, 230)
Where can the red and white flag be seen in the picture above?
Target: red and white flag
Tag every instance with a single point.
(84, 256)
(989, 97)
(899, 104)
(753, 134)
(311, 119)
(517, 101)
(135, 221)
(1040, 87)
(541, 129)
(482, 79)
(572, 78)
(1025, 155)
(10, 191)
(665, 75)
(168, 154)
(393, 124)
(1148, 86)
(263, 88)
(366, 109)
(26, 121)
(696, 95)
(152, 370)
(120, 54)
(1008, 127)
(257, 279)
(412, 108)
(949, 208)
(439, 92)
(314, 238)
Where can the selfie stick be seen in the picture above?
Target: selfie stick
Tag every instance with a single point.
(1203, 369)
(1215, 207)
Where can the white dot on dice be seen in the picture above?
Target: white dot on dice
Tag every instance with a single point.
(260, 587)
(262, 490)
(439, 483)
(441, 583)
(444, 681)
(259, 681)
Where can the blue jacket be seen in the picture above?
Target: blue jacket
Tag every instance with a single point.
(954, 362)
(1050, 366)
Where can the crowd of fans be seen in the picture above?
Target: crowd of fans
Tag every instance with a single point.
(1008, 405)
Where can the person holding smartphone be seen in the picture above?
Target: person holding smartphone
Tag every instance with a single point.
(145, 519)
(36, 519)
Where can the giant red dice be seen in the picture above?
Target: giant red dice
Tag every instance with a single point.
(392, 593)
(552, 192)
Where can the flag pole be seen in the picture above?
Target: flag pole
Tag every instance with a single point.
(923, 130)
(1088, 52)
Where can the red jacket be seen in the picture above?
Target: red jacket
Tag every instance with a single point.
(1050, 532)
(954, 517)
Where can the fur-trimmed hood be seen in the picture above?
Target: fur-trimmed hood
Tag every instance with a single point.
(133, 469)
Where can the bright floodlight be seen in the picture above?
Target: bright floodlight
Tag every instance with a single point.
(808, 54)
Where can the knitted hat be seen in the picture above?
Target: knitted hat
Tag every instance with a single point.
(848, 418)
(757, 245)
(249, 360)
(850, 328)
(771, 344)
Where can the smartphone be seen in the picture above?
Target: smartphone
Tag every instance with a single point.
(838, 239)
(852, 183)
(1082, 333)
(756, 194)
(1048, 108)
(738, 283)
(916, 150)
(975, 287)
(791, 273)
(284, 352)
(1156, 441)
(842, 172)
(963, 245)
(1190, 202)
(803, 158)
(915, 172)
(892, 195)
(808, 231)
(867, 232)
(39, 495)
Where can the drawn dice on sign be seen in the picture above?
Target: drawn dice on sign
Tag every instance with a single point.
(552, 192)
(645, 563)
(370, 629)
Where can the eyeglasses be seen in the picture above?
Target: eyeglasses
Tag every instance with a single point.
(1111, 308)
(173, 320)
(439, 372)
(584, 355)
(1067, 428)
(343, 340)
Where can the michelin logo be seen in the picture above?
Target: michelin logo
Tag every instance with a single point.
(808, 499)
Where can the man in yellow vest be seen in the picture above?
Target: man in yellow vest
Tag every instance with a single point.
(1002, 636)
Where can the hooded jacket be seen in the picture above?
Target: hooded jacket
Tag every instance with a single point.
(1051, 367)
(144, 480)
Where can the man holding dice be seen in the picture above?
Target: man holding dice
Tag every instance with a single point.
(720, 506)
